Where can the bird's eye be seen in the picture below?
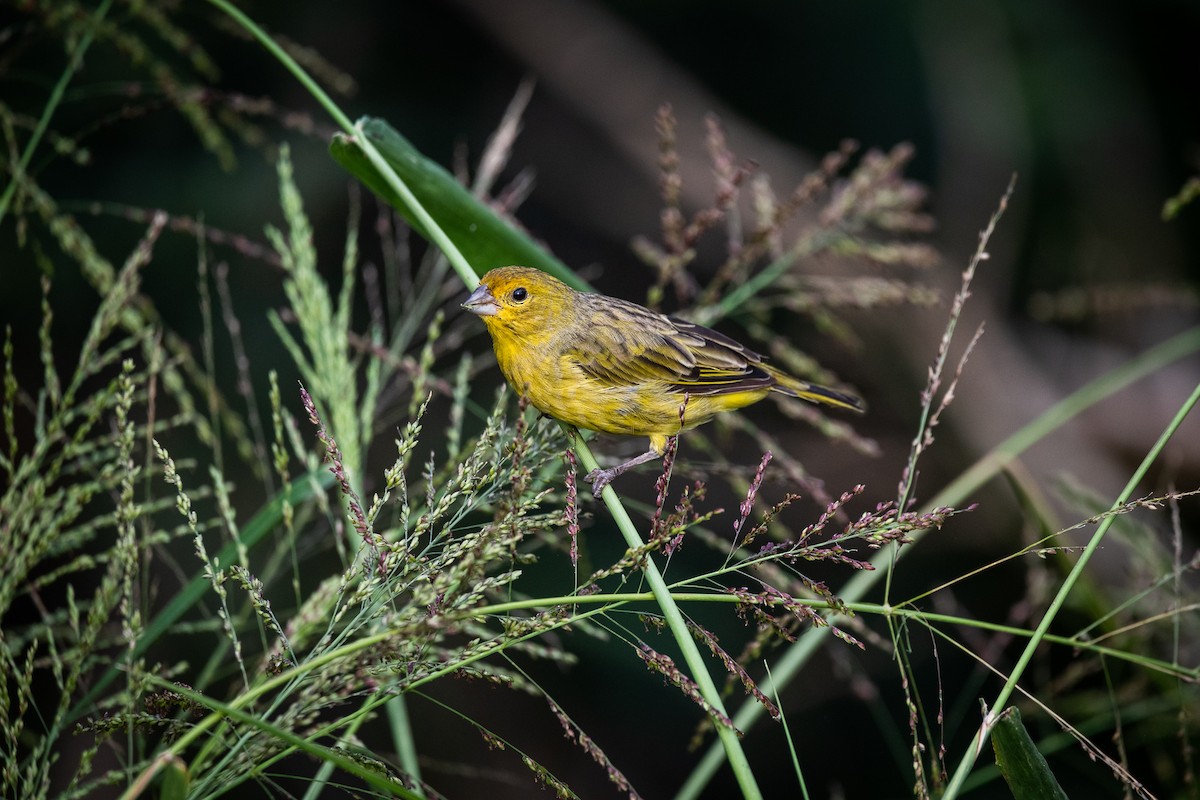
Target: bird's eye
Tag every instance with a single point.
(519, 295)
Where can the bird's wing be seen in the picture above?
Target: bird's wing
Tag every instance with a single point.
(624, 344)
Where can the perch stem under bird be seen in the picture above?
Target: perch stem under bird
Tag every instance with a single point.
(613, 366)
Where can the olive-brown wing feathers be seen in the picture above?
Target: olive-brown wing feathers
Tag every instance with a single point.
(625, 344)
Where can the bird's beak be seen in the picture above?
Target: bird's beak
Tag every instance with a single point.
(482, 302)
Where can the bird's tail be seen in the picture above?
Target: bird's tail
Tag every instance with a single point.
(814, 393)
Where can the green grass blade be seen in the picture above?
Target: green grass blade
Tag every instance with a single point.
(483, 238)
(52, 104)
(372, 777)
(175, 781)
(1024, 768)
(728, 737)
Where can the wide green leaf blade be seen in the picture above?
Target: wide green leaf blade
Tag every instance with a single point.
(175, 780)
(1020, 762)
(483, 237)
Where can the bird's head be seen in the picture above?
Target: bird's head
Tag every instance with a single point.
(520, 301)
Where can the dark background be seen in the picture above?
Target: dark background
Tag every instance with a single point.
(1092, 106)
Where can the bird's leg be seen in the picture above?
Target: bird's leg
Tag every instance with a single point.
(599, 478)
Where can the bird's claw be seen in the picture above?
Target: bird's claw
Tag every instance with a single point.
(599, 478)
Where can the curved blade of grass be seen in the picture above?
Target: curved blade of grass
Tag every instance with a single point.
(484, 239)
(175, 780)
(1091, 727)
(371, 777)
(1024, 768)
(56, 95)
(983, 470)
(384, 172)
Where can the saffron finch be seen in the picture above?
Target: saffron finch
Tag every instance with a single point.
(612, 366)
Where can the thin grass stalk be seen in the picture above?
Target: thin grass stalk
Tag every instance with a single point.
(406, 744)
(329, 756)
(1062, 412)
(968, 760)
(320, 781)
(52, 103)
(791, 743)
(746, 290)
(617, 599)
(683, 637)
(439, 237)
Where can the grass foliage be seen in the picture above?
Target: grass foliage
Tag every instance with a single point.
(223, 571)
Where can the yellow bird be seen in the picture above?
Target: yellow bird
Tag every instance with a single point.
(612, 366)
